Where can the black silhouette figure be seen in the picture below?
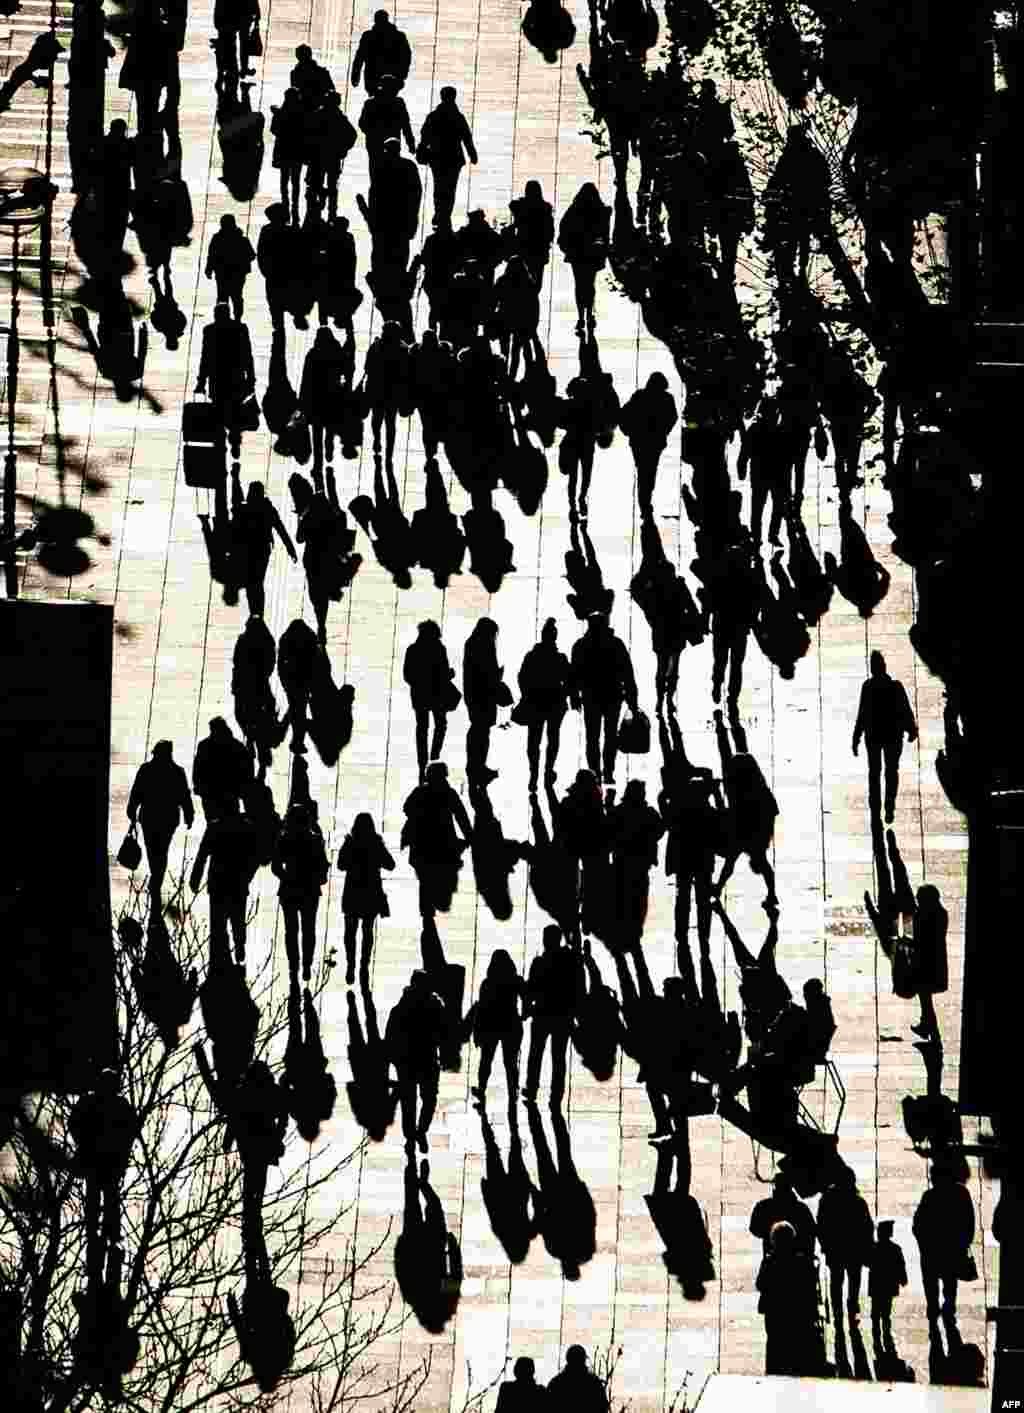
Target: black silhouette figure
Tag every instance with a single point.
(887, 1277)
(729, 599)
(87, 71)
(105, 1347)
(115, 187)
(383, 49)
(309, 1087)
(544, 687)
(672, 615)
(330, 137)
(582, 831)
(413, 1038)
(228, 262)
(288, 127)
(484, 690)
(583, 240)
(429, 676)
(256, 712)
(846, 1232)
(549, 27)
(230, 1016)
(327, 556)
(387, 384)
(751, 814)
(231, 844)
(884, 717)
(584, 413)
(372, 1095)
(222, 769)
(113, 345)
(847, 403)
(327, 370)
(533, 228)
(444, 137)
(428, 1262)
(300, 864)
(240, 134)
(440, 543)
(691, 805)
(679, 1221)
(523, 1394)
(812, 584)
(432, 812)
(779, 626)
(577, 1386)
(598, 1029)
(508, 1193)
(784, 1206)
(233, 20)
(226, 367)
(602, 681)
(857, 575)
(279, 257)
(554, 990)
(821, 1024)
(516, 316)
(634, 829)
(312, 80)
(931, 923)
(361, 858)
(159, 800)
(255, 523)
(494, 857)
(384, 115)
(103, 1127)
(554, 869)
(565, 1209)
(647, 420)
(788, 1300)
(762, 453)
(496, 1019)
(166, 995)
(944, 1230)
(298, 658)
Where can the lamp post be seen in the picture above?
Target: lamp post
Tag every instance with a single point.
(25, 195)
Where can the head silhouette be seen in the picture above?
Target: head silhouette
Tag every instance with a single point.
(814, 988)
(657, 382)
(221, 314)
(437, 773)
(533, 191)
(219, 727)
(635, 792)
(877, 662)
(524, 1370)
(303, 53)
(448, 95)
(781, 1237)
(118, 127)
(363, 828)
(551, 938)
(501, 966)
(163, 750)
(257, 492)
(227, 223)
(576, 1357)
(549, 633)
(884, 1230)
(381, 18)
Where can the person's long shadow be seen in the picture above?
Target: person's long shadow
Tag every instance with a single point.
(240, 133)
(280, 401)
(494, 857)
(549, 27)
(230, 1016)
(779, 627)
(256, 710)
(677, 1217)
(508, 1192)
(449, 982)
(437, 538)
(372, 1095)
(490, 549)
(538, 394)
(525, 468)
(384, 520)
(857, 575)
(812, 586)
(428, 1262)
(597, 1024)
(552, 868)
(566, 1214)
(588, 593)
(330, 713)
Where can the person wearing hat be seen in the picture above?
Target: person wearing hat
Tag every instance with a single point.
(384, 115)
(887, 1277)
(444, 136)
(383, 49)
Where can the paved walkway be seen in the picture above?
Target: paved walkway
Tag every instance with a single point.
(172, 671)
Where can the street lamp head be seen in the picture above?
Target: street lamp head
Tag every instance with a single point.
(25, 195)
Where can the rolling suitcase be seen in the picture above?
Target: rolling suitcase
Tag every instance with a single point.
(203, 458)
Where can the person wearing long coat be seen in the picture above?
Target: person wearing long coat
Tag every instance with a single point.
(325, 373)
(788, 1301)
(497, 1018)
(288, 127)
(931, 923)
(361, 858)
(429, 675)
(583, 240)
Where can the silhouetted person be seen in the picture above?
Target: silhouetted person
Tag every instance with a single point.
(784, 1206)
(583, 240)
(665, 600)
(383, 49)
(884, 717)
(230, 843)
(647, 419)
(226, 367)
(104, 1346)
(576, 1386)
(327, 557)
(300, 864)
(222, 769)
(229, 260)
(312, 80)
(384, 115)
(602, 681)
(484, 690)
(944, 1230)
(441, 545)
(436, 831)
(444, 137)
(554, 987)
(762, 452)
(233, 20)
(103, 1126)
(931, 923)
(496, 1019)
(731, 589)
(534, 225)
(116, 185)
(413, 1038)
(887, 1277)
(298, 655)
(159, 799)
(634, 828)
(256, 522)
(361, 858)
(276, 254)
(429, 674)
(387, 378)
(166, 995)
(326, 370)
(522, 1394)
(846, 1232)
(821, 1025)
(287, 126)
(694, 816)
(265, 1331)
(331, 137)
(253, 664)
(751, 815)
(582, 830)
(544, 684)
(789, 1303)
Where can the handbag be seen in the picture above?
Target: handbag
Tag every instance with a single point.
(635, 735)
(451, 697)
(521, 713)
(905, 981)
(505, 697)
(967, 1270)
(129, 855)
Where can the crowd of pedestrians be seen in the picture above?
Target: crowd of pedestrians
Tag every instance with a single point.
(477, 380)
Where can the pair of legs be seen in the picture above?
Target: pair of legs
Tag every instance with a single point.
(290, 177)
(729, 648)
(694, 878)
(580, 457)
(386, 416)
(666, 670)
(848, 1273)
(323, 449)
(761, 487)
(881, 1326)
(601, 725)
(158, 845)
(257, 562)
(888, 752)
(227, 914)
(297, 716)
(352, 921)
(230, 286)
(510, 1041)
(552, 724)
(423, 715)
(646, 458)
(931, 1276)
(583, 277)
(478, 743)
(413, 1082)
(757, 855)
(542, 1029)
(446, 179)
(300, 915)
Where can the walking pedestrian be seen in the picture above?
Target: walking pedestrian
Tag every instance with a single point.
(544, 684)
(444, 137)
(413, 1038)
(555, 987)
(228, 261)
(602, 681)
(222, 769)
(647, 419)
(159, 800)
(887, 1278)
(496, 1018)
(429, 677)
(231, 845)
(846, 1232)
(361, 858)
(383, 49)
(226, 367)
(256, 522)
(884, 718)
(485, 690)
(300, 864)
(583, 239)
